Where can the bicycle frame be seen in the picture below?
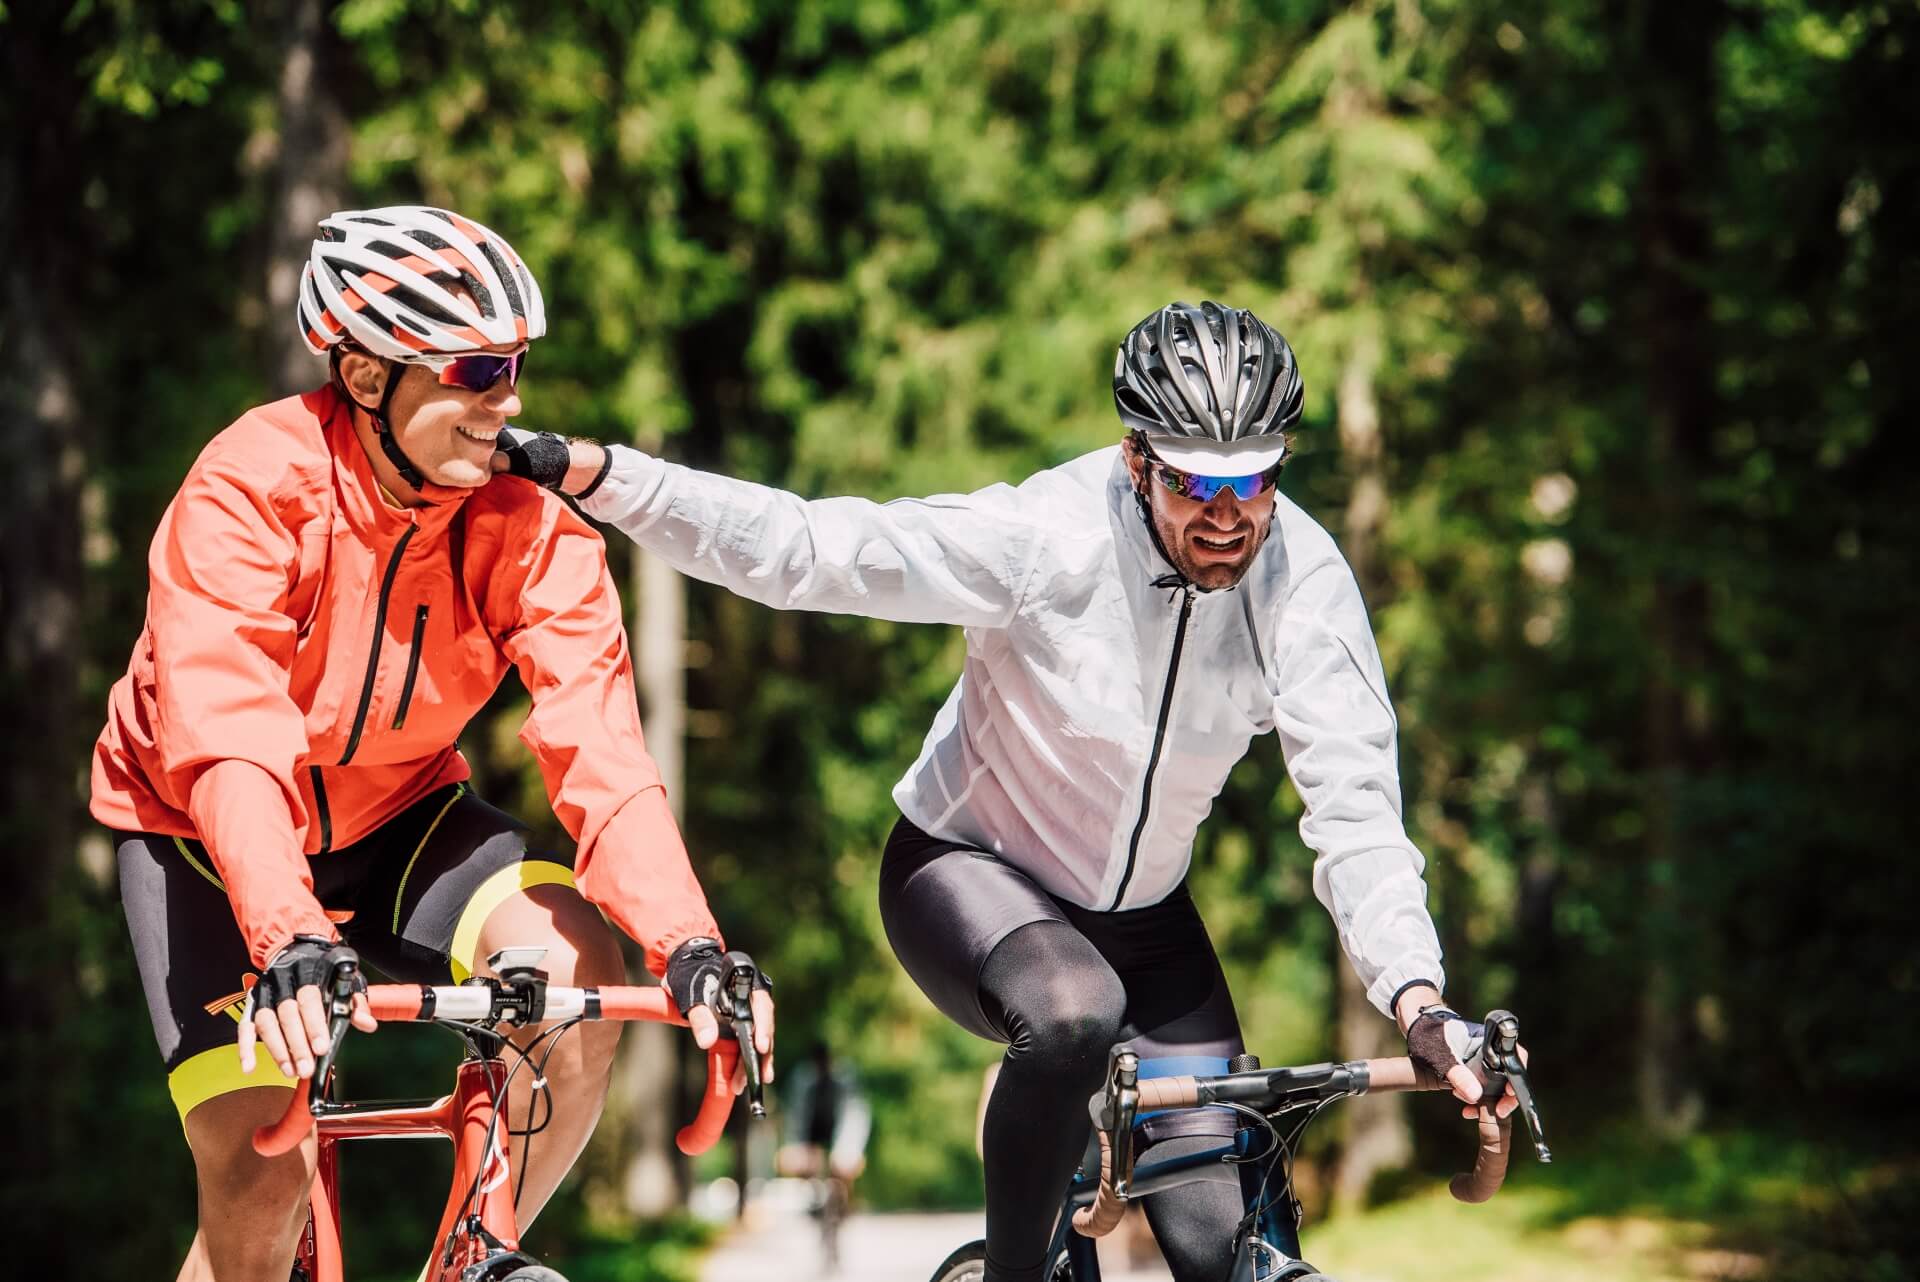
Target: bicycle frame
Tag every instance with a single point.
(1278, 1224)
(466, 1117)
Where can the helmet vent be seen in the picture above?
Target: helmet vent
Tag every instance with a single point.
(515, 304)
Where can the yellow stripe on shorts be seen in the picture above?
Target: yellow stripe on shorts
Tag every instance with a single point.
(199, 867)
(459, 790)
(199, 1078)
(493, 892)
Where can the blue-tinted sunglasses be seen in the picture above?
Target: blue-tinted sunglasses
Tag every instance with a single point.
(1203, 489)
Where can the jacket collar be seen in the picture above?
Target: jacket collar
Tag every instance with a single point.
(367, 512)
(1139, 545)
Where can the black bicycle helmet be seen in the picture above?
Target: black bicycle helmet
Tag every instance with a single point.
(1207, 383)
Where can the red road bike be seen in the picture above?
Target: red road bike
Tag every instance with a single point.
(479, 1238)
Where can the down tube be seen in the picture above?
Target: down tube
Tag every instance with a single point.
(477, 1160)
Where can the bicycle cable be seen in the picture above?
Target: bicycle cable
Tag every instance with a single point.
(541, 1091)
(1283, 1154)
(468, 1034)
(1268, 1156)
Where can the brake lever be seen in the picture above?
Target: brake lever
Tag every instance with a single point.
(1123, 1075)
(1502, 1067)
(339, 1019)
(739, 997)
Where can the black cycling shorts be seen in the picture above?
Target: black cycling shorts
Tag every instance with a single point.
(947, 906)
(409, 897)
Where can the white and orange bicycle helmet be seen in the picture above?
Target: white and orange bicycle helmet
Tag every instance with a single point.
(410, 280)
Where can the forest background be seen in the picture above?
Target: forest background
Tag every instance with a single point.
(1607, 315)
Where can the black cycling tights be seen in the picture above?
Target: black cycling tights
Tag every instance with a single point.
(1063, 1006)
(1060, 985)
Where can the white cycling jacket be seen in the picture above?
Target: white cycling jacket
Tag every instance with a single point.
(1101, 705)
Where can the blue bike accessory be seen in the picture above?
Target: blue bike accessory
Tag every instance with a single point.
(1182, 1066)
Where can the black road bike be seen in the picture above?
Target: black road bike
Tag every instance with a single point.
(1275, 1105)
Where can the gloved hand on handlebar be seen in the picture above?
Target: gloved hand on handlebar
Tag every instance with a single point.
(286, 1009)
(1440, 1041)
(697, 973)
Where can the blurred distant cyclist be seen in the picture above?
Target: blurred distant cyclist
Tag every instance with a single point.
(1133, 618)
(825, 1131)
(334, 593)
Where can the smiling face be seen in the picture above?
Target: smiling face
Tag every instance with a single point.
(448, 432)
(1213, 543)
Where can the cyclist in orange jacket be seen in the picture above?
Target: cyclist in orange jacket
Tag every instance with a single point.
(335, 591)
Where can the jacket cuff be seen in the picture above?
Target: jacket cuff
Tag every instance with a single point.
(1403, 974)
(662, 946)
(629, 486)
(267, 943)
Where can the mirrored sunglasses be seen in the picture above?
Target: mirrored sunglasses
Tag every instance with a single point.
(1203, 489)
(479, 371)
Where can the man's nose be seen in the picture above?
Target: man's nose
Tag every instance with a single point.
(1223, 509)
(504, 398)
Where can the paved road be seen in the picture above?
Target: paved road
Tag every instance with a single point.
(779, 1243)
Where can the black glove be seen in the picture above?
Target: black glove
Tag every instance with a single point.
(541, 457)
(1440, 1039)
(308, 961)
(696, 971)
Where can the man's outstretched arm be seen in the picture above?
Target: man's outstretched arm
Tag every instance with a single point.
(962, 559)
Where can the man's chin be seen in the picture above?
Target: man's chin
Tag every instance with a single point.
(459, 474)
(1212, 578)
(1211, 575)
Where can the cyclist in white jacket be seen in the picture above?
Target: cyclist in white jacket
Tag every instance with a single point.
(1133, 618)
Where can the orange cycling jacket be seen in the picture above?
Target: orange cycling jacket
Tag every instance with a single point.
(311, 654)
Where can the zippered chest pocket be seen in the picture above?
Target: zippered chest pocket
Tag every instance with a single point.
(413, 666)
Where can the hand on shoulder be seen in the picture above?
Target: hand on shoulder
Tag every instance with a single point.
(573, 468)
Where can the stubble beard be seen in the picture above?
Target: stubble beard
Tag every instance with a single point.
(1215, 575)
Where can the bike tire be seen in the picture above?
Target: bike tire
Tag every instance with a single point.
(533, 1273)
(967, 1264)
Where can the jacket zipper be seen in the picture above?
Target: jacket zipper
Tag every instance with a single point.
(1159, 741)
(320, 805)
(373, 655)
(413, 666)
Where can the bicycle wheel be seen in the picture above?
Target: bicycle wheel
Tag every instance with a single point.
(968, 1264)
(533, 1273)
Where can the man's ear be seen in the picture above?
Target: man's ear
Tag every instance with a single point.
(365, 378)
(1136, 463)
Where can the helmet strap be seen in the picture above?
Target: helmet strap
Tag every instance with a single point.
(1153, 532)
(384, 430)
